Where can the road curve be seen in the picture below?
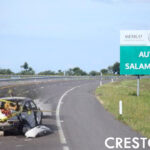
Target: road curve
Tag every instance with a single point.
(84, 123)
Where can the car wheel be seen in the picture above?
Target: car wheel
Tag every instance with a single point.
(25, 128)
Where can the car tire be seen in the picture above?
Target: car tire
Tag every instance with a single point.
(25, 128)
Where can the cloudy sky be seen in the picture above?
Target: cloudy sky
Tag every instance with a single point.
(56, 34)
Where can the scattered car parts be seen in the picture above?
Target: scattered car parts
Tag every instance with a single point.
(37, 131)
(19, 113)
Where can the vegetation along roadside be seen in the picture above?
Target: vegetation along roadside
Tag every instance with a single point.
(136, 110)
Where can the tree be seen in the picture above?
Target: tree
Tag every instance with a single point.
(110, 69)
(25, 66)
(69, 72)
(104, 71)
(31, 71)
(60, 72)
(116, 68)
(47, 72)
(94, 73)
(6, 72)
(76, 71)
(27, 70)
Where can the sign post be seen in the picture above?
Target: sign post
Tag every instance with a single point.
(138, 85)
(135, 54)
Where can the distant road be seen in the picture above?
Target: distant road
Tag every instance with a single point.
(83, 122)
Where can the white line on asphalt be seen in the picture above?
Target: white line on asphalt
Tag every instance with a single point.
(58, 121)
(19, 145)
(65, 148)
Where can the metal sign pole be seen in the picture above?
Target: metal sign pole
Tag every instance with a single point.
(138, 85)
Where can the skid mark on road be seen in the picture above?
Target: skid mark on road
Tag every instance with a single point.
(58, 121)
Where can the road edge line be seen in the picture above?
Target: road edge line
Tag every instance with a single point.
(58, 121)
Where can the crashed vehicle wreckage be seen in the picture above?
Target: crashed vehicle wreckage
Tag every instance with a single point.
(19, 113)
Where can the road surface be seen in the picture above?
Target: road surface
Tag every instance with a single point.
(78, 120)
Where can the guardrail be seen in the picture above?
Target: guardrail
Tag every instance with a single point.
(39, 77)
(25, 78)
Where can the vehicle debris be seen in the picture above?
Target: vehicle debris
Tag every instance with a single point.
(1, 133)
(38, 131)
(19, 113)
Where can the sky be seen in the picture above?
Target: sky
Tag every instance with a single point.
(61, 34)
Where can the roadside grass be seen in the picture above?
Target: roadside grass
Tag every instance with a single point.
(136, 110)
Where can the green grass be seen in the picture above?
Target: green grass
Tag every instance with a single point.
(136, 110)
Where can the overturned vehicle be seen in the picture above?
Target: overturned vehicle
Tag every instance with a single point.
(19, 114)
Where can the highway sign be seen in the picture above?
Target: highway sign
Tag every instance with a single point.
(135, 52)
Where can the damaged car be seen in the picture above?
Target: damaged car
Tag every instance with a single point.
(19, 113)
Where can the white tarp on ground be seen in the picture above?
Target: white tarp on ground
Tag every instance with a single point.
(2, 116)
(38, 131)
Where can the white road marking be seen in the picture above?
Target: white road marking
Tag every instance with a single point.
(58, 121)
(27, 140)
(19, 145)
(65, 148)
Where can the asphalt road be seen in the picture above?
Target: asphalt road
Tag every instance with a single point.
(80, 123)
